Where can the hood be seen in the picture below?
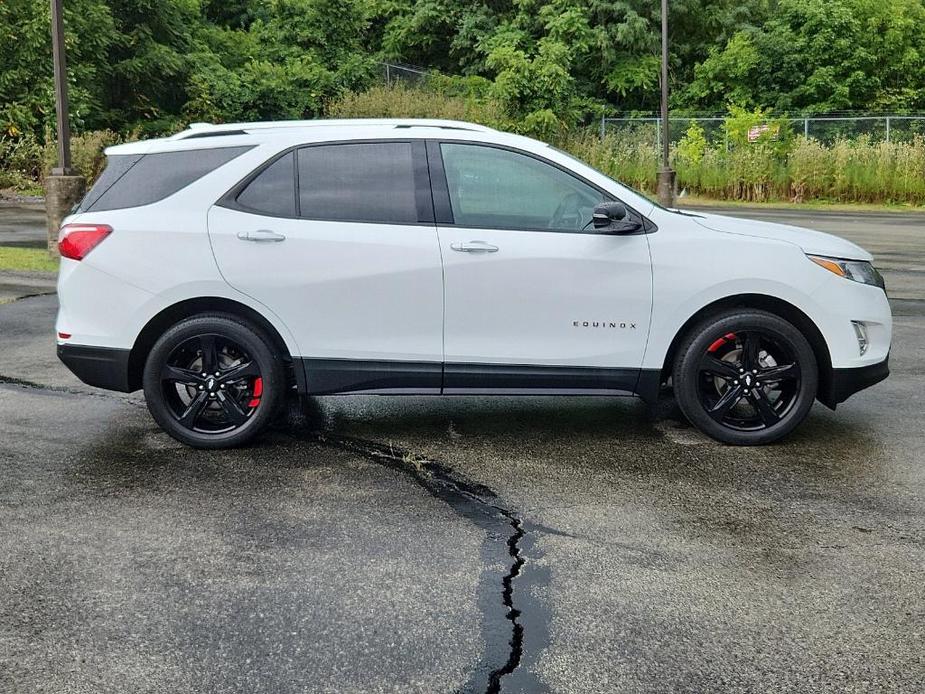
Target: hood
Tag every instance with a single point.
(810, 241)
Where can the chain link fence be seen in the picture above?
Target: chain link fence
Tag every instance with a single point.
(396, 73)
(827, 129)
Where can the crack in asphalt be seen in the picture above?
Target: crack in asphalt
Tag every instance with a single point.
(467, 498)
(15, 299)
(513, 614)
(30, 296)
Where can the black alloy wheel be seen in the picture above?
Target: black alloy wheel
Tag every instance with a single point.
(748, 380)
(746, 377)
(211, 384)
(213, 381)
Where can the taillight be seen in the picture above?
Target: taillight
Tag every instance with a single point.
(76, 240)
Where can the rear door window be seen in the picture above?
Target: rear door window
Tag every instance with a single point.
(153, 177)
(361, 182)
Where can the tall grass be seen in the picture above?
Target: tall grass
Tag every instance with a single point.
(855, 170)
(631, 159)
(798, 170)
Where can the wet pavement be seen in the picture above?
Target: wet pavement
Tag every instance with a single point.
(896, 239)
(458, 544)
(23, 225)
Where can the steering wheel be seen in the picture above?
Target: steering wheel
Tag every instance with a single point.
(567, 208)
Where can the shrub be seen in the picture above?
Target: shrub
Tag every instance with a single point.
(87, 153)
(20, 163)
(24, 161)
(452, 100)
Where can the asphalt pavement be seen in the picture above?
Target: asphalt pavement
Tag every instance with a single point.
(23, 225)
(461, 544)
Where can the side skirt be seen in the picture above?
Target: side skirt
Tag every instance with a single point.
(342, 376)
(334, 376)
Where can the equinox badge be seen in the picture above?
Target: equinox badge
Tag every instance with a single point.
(603, 324)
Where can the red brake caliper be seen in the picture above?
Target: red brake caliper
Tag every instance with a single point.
(721, 341)
(258, 391)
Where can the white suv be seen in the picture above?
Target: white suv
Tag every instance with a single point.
(223, 267)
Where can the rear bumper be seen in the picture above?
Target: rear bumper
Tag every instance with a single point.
(846, 382)
(101, 367)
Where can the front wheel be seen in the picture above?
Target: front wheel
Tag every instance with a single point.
(213, 381)
(745, 377)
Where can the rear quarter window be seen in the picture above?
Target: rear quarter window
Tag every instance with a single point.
(137, 180)
(273, 191)
(116, 166)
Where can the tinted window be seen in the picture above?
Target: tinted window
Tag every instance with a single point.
(369, 182)
(156, 176)
(273, 191)
(491, 187)
(116, 166)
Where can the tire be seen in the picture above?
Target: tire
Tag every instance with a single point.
(745, 377)
(204, 410)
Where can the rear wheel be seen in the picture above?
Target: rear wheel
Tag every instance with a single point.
(213, 381)
(745, 377)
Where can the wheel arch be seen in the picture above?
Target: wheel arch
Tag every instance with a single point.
(771, 304)
(187, 308)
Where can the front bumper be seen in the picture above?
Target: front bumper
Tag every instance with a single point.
(101, 367)
(843, 383)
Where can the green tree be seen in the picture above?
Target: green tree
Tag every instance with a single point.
(26, 86)
(820, 55)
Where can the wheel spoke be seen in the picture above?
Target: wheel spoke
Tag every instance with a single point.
(236, 373)
(759, 399)
(726, 402)
(232, 409)
(750, 350)
(785, 372)
(718, 367)
(209, 353)
(194, 409)
(175, 374)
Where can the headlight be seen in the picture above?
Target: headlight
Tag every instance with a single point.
(857, 270)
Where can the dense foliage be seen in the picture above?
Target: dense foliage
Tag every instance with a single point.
(148, 65)
(543, 67)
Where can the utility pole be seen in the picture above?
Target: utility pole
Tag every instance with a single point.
(63, 188)
(665, 173)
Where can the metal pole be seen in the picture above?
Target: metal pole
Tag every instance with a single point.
(665, 124)
(63, 188)
(61, 101)
(665, 174)
(806, 128)
(603, 126)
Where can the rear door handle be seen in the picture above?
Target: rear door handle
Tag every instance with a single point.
(261, 236)
(473, 247)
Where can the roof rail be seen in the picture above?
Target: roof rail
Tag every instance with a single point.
(207, 129)
(197, 133)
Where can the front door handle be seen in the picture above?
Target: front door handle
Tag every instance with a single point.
(261, 236)
(473, 247)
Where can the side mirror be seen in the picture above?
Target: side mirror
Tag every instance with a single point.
(612, 218)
